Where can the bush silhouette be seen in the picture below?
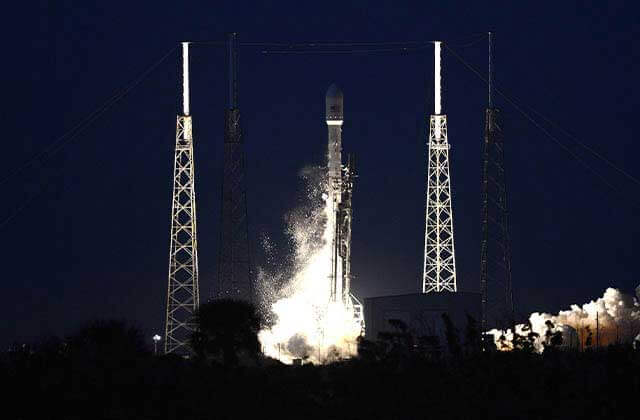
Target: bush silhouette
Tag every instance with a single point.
(226, 328)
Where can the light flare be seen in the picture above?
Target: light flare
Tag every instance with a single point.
(437, 78)
(185, 78)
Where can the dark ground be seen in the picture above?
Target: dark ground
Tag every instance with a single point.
(88, 377)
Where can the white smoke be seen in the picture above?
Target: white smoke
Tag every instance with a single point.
(612, 318)
(304, 324)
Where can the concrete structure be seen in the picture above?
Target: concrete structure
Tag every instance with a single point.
(422, 312)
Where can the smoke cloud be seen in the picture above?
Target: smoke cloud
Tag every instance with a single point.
(303, 323)
(612, 318)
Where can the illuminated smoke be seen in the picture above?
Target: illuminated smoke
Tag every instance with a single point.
(304, 324)
(615, 318)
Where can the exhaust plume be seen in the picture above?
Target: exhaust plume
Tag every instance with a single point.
(304, 323)
(612, 318)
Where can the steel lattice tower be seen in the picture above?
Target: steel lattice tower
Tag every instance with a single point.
(495, 259)
(183, 295)
(439, 253)
(234, 265)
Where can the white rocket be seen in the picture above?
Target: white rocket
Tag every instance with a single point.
(334, 115)
(340, 191)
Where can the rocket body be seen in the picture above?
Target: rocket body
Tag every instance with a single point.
(334, 118)
(334, 115)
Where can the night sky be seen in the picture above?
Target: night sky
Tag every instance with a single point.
(92, 239)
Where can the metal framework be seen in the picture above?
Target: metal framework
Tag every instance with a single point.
(183, 296)
(439, 273)
(234, 263)
(495, 257)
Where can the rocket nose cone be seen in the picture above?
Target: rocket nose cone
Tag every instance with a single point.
(334, 92)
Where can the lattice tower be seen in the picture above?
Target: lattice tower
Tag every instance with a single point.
(439, 273)
(183, 295)
(495, 259)
(234, 263)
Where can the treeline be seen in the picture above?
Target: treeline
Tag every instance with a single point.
(105, 371)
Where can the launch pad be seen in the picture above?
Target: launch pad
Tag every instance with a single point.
(323, 277)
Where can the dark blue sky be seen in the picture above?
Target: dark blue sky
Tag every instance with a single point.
(94, 244)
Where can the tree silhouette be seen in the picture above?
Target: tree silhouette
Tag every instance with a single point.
(526, 342)
(225, 329)
(397, 343)
(472, 339)
(111, 339)
(553, 339)
(451, 334)
(589, 340)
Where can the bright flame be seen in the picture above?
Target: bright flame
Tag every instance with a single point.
(307, 325)
(615, 317)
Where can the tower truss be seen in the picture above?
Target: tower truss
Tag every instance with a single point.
(234, 264)
(495, 258)
(183, 296)
(439, 273)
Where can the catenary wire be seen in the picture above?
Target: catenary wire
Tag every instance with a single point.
(72, 134)
(532, 120)
(586, 147)
(351, 51)
(85, 123)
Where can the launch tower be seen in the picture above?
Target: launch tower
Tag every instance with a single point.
(495, 259)
(439, 273)
(183, 295)
(234, 266)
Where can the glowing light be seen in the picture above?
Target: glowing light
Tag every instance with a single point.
(334, 122)
(306, 324)
(437, 79)
(185, 78)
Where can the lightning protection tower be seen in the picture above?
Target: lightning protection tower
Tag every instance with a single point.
(183, 295)
(439, 273)
(234, 268)
(495, 259)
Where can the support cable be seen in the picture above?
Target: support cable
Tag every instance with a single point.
(71, 135)
(85, 123)
(351, 51)
(532, 120)
(586, 147)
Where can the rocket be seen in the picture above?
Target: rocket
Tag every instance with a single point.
(341, 180)
(334, 118)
